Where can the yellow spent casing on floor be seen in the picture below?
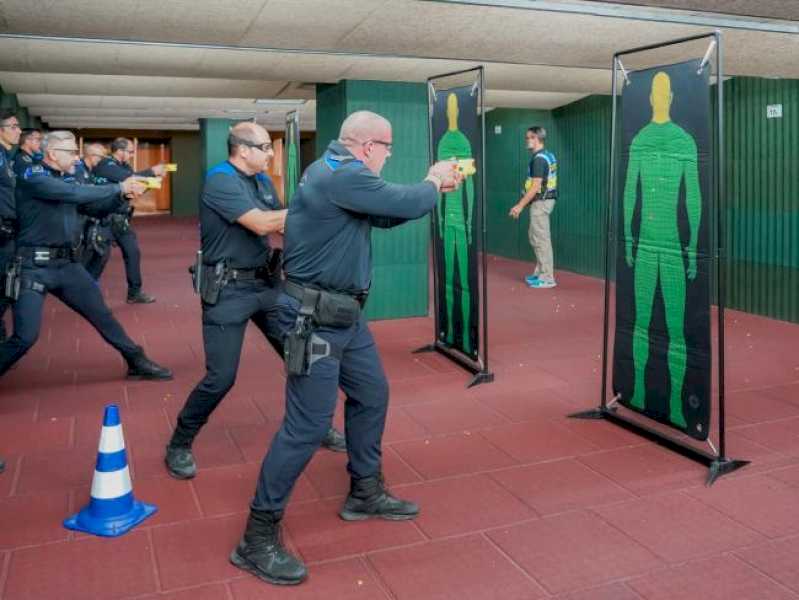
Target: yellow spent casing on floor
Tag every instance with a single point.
(466, 167)
(171, 167)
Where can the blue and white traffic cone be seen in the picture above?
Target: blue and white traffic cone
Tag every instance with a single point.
(112, 510)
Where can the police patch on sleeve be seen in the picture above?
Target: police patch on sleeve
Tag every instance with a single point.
(34, 171)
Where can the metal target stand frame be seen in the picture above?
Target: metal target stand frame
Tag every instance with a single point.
(479, 367)
(717, 461)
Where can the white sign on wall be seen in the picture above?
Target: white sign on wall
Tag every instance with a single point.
(774, 111)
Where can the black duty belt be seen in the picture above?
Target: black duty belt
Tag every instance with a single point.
(296, 291)
(43, 253)
(242, 274)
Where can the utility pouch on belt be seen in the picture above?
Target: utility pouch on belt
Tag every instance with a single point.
(337, 310)
(8, 229)
(119, 223)
(13, 281)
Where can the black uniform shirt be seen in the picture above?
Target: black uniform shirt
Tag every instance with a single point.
(22, 161)
(227, 195)
(7, 210)
(47, 203)
(110, 170)
(328, 228)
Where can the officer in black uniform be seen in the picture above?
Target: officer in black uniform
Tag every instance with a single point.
(97, 234)
(9, 136)
(115, 169)
(327, 262)
(237, 276)
(29, 152)
(47, 198)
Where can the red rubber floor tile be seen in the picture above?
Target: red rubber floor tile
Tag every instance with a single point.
(59, 471)
(464, 504)
(760, 502)
(782, 436)
(538, 441)
(524, 405)
(87, 568)
(206, 592)
(616, 591)
(32, 520)
(452, 455)
(560, 486)
(646, 469)
(349, 579)
(28, 438)
(692, 529)
(196, 552)
(568, 552)
(720, 578)
(454, 415)
(778, 560)
(320, 534)
(401, 426)
(467, 568)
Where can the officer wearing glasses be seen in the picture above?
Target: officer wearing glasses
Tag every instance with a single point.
(115, 169)
(47, 199)
(239, 208)
(327, 262)
(9, 136)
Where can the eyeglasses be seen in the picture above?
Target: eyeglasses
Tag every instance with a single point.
(386, 145)
(265, 147)
(12, 126)
(71, 151)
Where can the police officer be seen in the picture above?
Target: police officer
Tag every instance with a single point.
(115, 169)
(47, 198)
(239, 277)
(29, 151)
(9, 137)
(327, 262)
(97, 234)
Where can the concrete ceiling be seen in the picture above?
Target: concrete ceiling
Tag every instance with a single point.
(240, 50)
(769, 9)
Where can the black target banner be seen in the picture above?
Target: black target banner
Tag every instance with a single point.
(662, 349)
(456, 129)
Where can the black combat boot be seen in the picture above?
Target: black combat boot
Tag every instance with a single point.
(141, 367)
(261, 551)
(335, 441)
(139, 297)
(180, 462)
(369, 499)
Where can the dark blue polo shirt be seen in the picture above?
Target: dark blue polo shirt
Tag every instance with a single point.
(47, 206)
(7, 210)
(227, 195)
(328, 228)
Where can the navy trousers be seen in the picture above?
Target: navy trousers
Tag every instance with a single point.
(71, 283)
(311, 403)
(224, 325)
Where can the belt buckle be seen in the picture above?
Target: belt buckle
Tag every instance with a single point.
(41, 255)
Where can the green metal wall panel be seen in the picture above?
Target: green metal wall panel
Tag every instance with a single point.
(213, 136)
(331, 109)
(187, 182)
(762, 199)
(400, 256)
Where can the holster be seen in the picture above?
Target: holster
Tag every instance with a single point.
(211, 281)
(8, 229)
(120, 223)
(13, 279)
(302, 347)
(94, 237)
